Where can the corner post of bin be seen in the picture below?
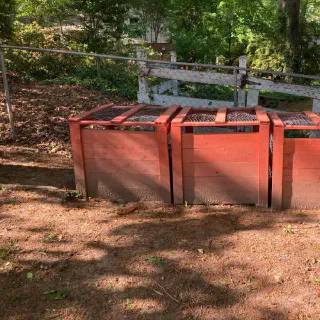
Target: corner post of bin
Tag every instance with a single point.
(277, 161)
(263, 156)
(162, 128)
(77, 147)
(176, 142)
(78, 157)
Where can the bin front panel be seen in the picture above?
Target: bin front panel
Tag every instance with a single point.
(301, 173)
(122, 165)
(220, 168)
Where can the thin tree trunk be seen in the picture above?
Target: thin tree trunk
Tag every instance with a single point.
(294, 35)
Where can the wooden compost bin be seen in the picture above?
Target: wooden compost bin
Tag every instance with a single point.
(220, 165)
(295, 161)
(121, 152)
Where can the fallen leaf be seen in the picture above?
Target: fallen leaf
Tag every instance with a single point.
(201, 251)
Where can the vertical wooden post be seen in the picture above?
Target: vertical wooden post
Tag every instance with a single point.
(6, 93)
(78, 158)
(263, 164)
(242, 92)
(315, 108)
(277, 166)
(175, 83)
(235, 87)
(143, 94)
(162, 135)
(252, 97)
(177, 170)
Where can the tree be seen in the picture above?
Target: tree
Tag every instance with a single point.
(46, 12)
(104, 22)
(7, 12)
(153, 14)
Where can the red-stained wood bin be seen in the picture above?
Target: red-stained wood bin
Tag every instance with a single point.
(295, 160)
(218, 164)
(121, 152)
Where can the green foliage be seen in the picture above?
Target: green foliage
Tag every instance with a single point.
(118, 79)
(103, 23)
(58, 294)
(156, 261)
(41, 65)
(7, 11)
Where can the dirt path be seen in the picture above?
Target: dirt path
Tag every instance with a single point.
(157, 262)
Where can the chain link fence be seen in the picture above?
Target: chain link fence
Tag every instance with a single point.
(57, 84)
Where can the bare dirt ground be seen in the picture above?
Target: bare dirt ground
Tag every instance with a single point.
(64, 258)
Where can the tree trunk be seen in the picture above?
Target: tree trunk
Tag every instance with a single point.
(289, 19)
(294, 62)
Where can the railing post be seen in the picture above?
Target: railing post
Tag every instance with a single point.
(143, 94)
(242, 91)
(175, 83)
(6, 93)
(235, 89)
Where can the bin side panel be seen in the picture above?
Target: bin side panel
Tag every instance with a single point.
(301, 174)
(220, 168)
(78, 157)
(122, 165)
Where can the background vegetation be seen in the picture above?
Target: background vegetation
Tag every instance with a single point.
(282, 35)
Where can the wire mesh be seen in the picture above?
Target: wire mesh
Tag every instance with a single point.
(296, 119)
(201, 116)
(147, 114)
(108, 113)
(241, 116)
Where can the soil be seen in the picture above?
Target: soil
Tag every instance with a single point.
(64, 258)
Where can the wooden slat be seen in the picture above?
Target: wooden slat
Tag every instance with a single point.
(301, 145)
(263, 163)
(301, 176)
(130, 152)
(78, 157)
(289, 88)
(164, 165)
(124, 187)
(313, 117)
(221, 115)
(167, 115)
(90, 112)
(261, 115)
(124, 166)
(126, 181)
(121, 118)
(177, 169)
(119, 137)
(181, 115)
(301, 195)
(246, 184)
(302, 161)
(275, 119)
(222, 197)
(220, 169)
(220, 154)
(209, 140)
(193, 76)
(277, 167)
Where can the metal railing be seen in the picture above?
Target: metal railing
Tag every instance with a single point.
(241, 81)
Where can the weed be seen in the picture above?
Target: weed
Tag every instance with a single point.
(4, 189)
(186, 205)
(73, 195)
(4, 253)
(51, 237)
(156, 261)
(16, 296)
(29, 275)
(288, 229)
(58, 294)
